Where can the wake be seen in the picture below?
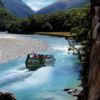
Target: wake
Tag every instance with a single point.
(13, 77)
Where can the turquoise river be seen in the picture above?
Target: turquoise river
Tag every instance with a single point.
(46, 83)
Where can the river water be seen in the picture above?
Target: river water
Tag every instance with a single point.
(46, 83)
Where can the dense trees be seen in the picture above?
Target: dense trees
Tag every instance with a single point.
(73, 20)
(80, 22)
(5, 19)
(47, 27)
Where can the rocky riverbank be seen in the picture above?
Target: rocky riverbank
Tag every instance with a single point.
(14, 46)
(76, 92)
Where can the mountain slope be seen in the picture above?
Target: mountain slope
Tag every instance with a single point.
(62, 5)
(1, 4)
(17, 7)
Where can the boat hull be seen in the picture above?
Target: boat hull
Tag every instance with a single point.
(33, 63)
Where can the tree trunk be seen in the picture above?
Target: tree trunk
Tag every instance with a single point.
(94, 71)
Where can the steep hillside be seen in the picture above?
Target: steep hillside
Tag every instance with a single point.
(1, 4)
(62, 5)
(17, 7)
(5, 19)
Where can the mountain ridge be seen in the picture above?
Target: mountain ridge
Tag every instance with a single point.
(1, 4)
(20, 9)
(17, 7)
(62, 5)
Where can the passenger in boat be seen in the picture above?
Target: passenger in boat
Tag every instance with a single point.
(35, 56)
(39, 56)
(45, 56)
(7, 96)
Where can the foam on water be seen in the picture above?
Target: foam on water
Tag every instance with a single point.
(14, 77)
(32, 79)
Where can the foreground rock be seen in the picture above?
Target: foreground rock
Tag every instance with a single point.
(74, 91)
(7, 96)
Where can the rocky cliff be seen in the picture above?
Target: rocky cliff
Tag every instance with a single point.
(94, 69)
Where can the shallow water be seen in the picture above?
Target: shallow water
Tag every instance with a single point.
(46, 83)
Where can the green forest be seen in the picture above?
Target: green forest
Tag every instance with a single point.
(74, 20)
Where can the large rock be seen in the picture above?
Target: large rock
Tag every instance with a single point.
(7, 96)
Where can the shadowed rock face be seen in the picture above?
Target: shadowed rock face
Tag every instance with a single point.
(94, 72)
(17, 7)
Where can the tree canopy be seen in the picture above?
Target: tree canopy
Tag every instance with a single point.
(59, 21)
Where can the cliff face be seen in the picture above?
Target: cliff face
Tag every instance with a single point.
(94, 71)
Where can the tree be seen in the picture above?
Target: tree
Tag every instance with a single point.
(81, 33)
(5, 19)
(25, 23)
(15, 27)
(47, 27)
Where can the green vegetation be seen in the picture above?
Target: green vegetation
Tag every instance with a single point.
(79, 25)
(6, 19)
(74, 20)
